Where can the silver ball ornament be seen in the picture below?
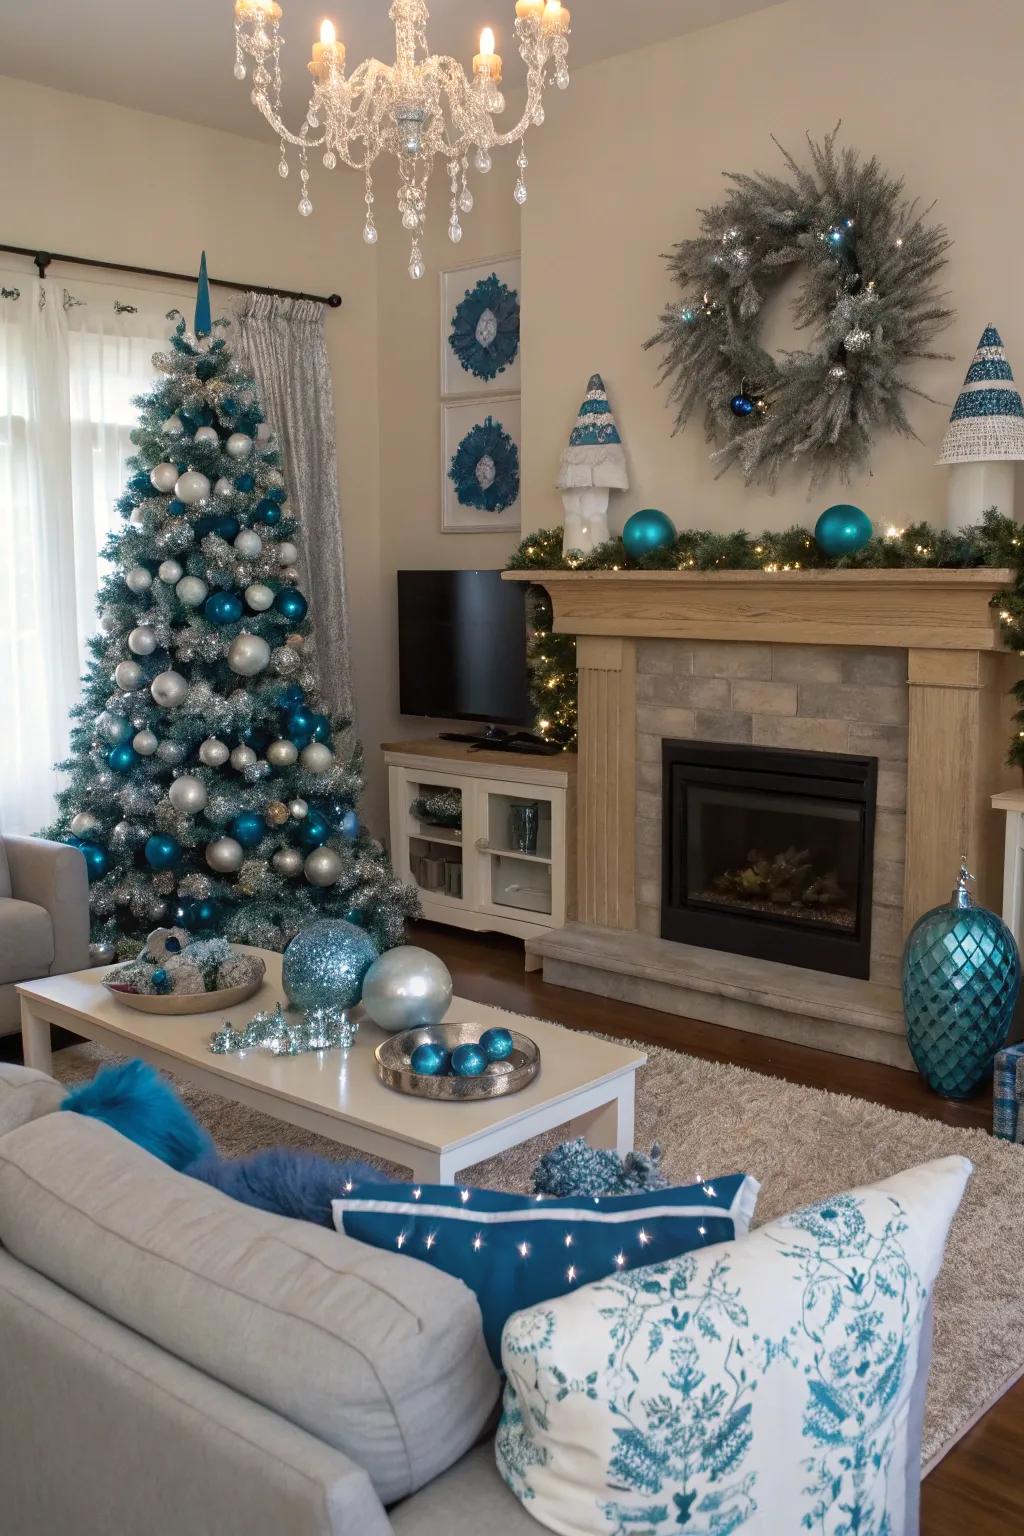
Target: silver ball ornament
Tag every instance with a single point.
(287, 553)
(224, 486)
(275, 478)
(171, 752)
(317, 757)
(108, 623)
(113, 728)
(173, 426)
(248, 544)
(145, 743)
(281, 754)
(138, 579)
(238, 445)
(225, 855)
(258, 596)
(102, 954)
(192, 591)
(407, 988)
(163, 477)
(169, 689)
(323, 867)
(188, 795)
(137, 518)
(242, 758)
(128, 675)
(213, 753)
(83, 823)
(248, 655)
(288, 862)
(205, 435)
(191, 487)
(170, 572)
(142, 640)
(298, 810)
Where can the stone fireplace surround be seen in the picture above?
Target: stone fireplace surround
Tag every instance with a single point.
(905, 666)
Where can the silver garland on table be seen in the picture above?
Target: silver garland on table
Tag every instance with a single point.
(321, 1029)
(869, 263)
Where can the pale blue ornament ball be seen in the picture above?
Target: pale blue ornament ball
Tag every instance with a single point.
(325, 965)
(407, 988)
(842, 530)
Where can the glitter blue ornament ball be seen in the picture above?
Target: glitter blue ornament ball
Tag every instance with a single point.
(496, 1044)
(248, 829)
(325, 964)
(842, 530)
(430, 1060)
(741, 405)
(291, 605)
(468, 1061)
(162, 851)
(647, 532)
(97, 860)
(223, 608)
(122, 758)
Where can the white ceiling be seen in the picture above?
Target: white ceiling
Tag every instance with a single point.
(175, 57)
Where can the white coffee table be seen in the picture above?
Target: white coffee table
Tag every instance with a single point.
(585, 1085)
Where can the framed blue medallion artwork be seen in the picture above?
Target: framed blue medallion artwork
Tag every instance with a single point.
(480, 329)
(482, 466)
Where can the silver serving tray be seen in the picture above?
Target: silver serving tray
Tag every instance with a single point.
(500, 1078)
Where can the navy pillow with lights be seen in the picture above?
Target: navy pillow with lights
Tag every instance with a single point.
(514, 1251)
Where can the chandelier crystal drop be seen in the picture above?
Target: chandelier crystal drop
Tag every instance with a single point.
(421, 106)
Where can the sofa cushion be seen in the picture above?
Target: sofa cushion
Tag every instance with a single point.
(5, 873)
(469, 1500)
(26, 940)
(780, 1372)
(376, 1354)
(25, 1095)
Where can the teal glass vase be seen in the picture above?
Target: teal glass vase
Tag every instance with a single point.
(961, 979)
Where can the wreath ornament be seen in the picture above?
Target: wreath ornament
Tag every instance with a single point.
(869, 262)
(485, 468)
(485, 328)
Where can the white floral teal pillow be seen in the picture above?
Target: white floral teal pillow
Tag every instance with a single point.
(764, 1386)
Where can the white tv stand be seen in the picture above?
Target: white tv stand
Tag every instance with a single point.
(472, 877)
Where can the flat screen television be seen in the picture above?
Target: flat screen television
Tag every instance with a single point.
(462, 647)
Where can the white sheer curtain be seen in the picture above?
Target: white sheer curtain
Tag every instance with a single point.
(70, 363)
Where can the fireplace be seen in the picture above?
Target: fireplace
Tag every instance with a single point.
(769, 852)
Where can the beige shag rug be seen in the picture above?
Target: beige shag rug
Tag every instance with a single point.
(802, 1144)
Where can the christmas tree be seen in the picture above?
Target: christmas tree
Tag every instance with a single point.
(206, 785)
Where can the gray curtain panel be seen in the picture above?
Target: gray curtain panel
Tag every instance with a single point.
(283, 342)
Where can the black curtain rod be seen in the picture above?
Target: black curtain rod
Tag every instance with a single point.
(43, 259)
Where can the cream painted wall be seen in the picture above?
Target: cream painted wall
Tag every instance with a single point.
(92, 179)
(639, 143)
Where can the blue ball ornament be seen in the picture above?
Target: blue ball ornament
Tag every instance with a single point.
(324, 965)
(647, 532)
(248, 829)
(322, 728)
(223, 608)
(430, 1060)
(468, 1061)
(291, 696)
(348, 826)
(291, 605)
(122, 758)
(268, 512)
(245, 482)
(257, 737)
(741, 405)
(160, 979)
(226, 528)
(204, 915)
(162, 851)
(176, 508)
(497, 1044)
(141, 484)
(842, 530)
(97, 860)
(300, 726)
(314, 830)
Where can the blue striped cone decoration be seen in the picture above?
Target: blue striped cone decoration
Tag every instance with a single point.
(988, 418)
(595, 455)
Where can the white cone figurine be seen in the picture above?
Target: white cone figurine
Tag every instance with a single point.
(593, 465)
(985, 436)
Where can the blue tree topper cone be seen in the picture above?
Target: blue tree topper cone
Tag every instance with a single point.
(842, 530)
(204, 318)
(961, 978)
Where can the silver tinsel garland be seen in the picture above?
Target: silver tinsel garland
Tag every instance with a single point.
(285, 1034)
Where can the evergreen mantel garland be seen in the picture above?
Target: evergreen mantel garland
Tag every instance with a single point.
(997, 542)
(869, 301)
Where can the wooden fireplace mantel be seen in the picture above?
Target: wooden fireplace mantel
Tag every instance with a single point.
(931, 610)
(958, 675)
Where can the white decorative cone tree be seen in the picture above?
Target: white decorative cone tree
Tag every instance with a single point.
(593, 465)
(985, 436)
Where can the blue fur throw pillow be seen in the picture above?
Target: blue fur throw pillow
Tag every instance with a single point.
(135, 1100)
(284, 1180)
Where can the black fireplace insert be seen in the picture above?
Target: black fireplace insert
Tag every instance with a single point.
(769, 852)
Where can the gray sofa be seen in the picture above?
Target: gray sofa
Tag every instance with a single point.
(44, 917)
(176, 1364)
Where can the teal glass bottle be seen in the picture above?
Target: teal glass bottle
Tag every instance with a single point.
(961, 978)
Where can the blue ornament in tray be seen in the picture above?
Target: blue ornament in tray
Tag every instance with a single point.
(961, 978)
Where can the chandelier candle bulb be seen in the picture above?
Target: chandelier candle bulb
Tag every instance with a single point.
(487, 64)
(328, 53)
(556, 18)
(529, 10)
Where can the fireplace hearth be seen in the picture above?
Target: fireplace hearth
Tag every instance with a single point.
(769, 852)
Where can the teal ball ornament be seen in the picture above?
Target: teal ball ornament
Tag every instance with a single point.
(961, 980)
(97, 860)
(223, 608)
(842, 530)
(647, 532)
(430, 1060)
(291, 605)
(122, 758)
(325, 965)
(248, 829)
(496, 1044)
(162, 851)
(468, 1061)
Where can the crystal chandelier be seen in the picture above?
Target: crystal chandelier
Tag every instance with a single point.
(415, 109)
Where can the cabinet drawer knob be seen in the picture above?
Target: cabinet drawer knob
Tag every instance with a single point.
(482, 845)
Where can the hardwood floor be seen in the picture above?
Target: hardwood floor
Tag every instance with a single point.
(977, 1490)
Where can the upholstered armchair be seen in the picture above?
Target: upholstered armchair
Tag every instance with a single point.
(44, 917)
